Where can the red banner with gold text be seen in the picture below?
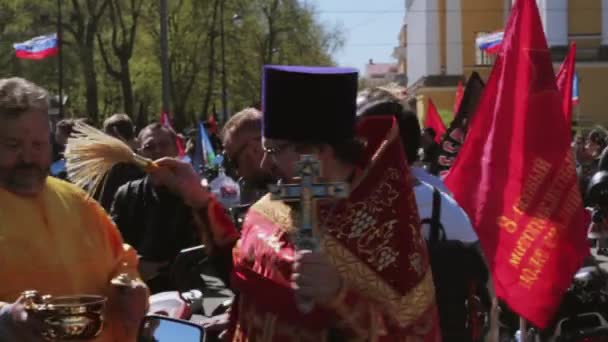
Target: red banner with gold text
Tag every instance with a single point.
(516, 179)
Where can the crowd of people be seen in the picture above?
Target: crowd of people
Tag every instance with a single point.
(399, 223)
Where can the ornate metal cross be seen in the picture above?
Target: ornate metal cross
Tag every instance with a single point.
(307, 191)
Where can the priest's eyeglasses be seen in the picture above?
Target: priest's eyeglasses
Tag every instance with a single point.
(274, 151)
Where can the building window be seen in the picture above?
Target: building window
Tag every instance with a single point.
(481, 57)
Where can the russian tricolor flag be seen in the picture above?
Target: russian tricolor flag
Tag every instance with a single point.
(38, 48)
(490, 43)
(575, 89)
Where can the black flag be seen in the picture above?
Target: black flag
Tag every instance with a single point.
(454, 137)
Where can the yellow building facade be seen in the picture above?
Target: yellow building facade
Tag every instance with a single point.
(437, 48)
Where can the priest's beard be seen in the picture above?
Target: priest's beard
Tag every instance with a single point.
(262, 181)
(25, 179)
(277, 175)
(252, 189)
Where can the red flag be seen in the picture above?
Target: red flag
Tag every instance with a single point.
(433, 120)
(454, 136)
(166, 121)
(565, 81)
(458, 99)
(37, 55)
(515, 175)
(212, 124)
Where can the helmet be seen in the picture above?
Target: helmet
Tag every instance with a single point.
(597, 190)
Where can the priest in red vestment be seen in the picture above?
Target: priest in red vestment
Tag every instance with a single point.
(370, 278)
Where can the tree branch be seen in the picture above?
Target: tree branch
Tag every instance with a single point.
(121, 20)
(77, 9)
(136, 12)
(282, 29)
(79, 21)
(90, 6)
(275, 5)
(115, 45)
(211, 63)
(97, 14)
(71, 30)
(104, 56)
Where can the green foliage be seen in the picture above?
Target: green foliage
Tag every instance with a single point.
(96, 40)
(446, 116)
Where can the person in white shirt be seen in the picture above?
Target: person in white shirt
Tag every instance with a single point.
(423, 175)
(455, 221)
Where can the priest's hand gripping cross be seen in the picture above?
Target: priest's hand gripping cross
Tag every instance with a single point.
(307, 192)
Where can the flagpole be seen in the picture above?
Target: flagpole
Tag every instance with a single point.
(60, 57)
(523, 329)
(223, 48)
(164, 56)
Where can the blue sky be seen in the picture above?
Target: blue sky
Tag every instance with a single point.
(371, 28)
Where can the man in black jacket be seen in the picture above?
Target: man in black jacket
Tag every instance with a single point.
(121, 127)
(430, 150)
(156, 222)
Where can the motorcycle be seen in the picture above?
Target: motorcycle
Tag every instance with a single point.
(187, 304)
(188, 298)
(187, 272)
(583, 314)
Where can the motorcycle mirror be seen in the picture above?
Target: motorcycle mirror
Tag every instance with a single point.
(164, 329)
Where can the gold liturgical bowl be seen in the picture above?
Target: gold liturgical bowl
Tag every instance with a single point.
(78, 317)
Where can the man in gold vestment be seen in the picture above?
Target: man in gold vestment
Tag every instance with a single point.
(53, 238)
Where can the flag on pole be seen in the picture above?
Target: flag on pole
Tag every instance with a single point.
(455, 135)
(575, 89)
(203, 150)
(490, 43)
(165, 121)
(567, 82)
(206, 148)
(515, 175)
(212, 123)
(433, 120)
(38, 48)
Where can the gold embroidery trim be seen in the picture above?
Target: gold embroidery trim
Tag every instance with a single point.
(340, 297)
(390, 137)
(352, 317)
(276, 211)
(404, 309)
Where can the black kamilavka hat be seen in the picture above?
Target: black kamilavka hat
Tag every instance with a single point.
(309, 104)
